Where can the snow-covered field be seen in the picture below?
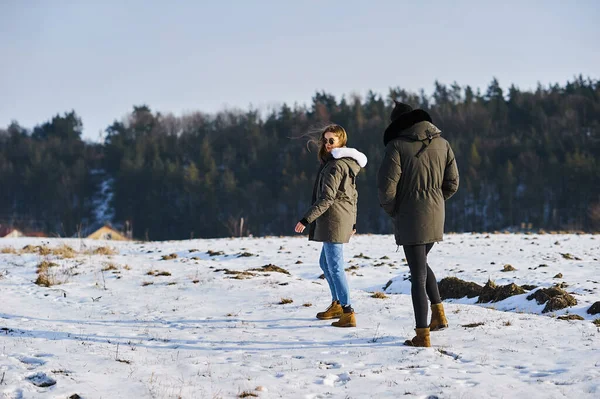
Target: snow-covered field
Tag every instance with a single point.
(152, 328)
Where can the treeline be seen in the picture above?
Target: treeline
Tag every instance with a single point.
(525, 157)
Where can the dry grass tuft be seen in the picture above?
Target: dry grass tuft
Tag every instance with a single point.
(44, 250)
(36, 249)
(8, 250)
(570, 317)
(247, 394)
(307, 304)
(145, 283)
(169, 257)
(270, 268)
(361, 256)
(44, 266)
(569, 256)
(47, 277)
(109, 266)
(507, 323)
(529, 287)
(379, 295)
(246, 255)
(596, 322)
(102, 251)
(64, 251)
(158, 273)
(472, 325)
(29, 249)
(44, 280)
(285, 301)
(237, 274)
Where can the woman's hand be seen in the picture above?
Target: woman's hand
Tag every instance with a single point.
(299, 228)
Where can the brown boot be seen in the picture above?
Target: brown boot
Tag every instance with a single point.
(334, 311)
(347, 320)
(421, 340)
(438, 318)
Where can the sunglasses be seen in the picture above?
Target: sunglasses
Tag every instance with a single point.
(331, 141)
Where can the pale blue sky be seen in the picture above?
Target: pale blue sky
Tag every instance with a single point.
(102, 57)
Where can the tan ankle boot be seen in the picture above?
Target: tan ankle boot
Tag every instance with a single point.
(421, 339)
(438, 318)
(347, 320)
(334, 311)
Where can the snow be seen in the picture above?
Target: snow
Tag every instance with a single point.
(199, 333)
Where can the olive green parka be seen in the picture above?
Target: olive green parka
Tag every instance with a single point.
(417, 175)
(332, 215)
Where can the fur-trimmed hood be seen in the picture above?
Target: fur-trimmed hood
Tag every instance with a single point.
(345, 152)
(403, 118)
(420, 131)
(417, 132)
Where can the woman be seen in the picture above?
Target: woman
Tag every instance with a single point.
(332, 217)
(418, 173)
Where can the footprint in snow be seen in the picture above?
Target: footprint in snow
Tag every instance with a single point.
(329, 365)
(315, 396)
(333, 380)
(544, 373)
(32, 362)
(41, 379)
(12, 393)
(466, 382)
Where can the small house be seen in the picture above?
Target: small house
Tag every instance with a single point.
(106, 232)
(9, 232)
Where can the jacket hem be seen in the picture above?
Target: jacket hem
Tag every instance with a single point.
(331, 241)
(422, 242)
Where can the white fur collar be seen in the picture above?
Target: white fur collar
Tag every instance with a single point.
(345, 152)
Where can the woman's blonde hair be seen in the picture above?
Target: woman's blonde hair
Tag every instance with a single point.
(318, 135)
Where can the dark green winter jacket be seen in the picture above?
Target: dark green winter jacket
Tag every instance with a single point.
(332, 216)
(418, 173)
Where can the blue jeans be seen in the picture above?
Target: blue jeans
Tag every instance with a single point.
(332, 264)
